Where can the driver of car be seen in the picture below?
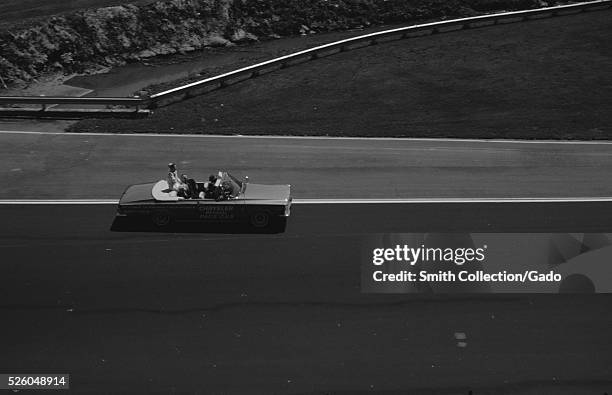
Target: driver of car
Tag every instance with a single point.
(211, 190)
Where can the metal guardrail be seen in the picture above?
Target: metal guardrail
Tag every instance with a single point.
(203, 86)
(45, 101)
(73, 113)
(88, 107)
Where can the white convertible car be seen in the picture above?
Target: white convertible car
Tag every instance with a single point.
(228, 200)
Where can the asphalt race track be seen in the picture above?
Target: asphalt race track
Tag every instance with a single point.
(278, 313)
(63, 166)
(123, 307)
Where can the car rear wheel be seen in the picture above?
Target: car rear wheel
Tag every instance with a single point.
(260, 219)
(161, 218)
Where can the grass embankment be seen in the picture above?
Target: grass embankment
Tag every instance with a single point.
(85, 41)
(547, 79)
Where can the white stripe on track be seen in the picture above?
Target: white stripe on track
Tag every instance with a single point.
(240, 136)
(336, 201)
(453, 200)
(20, 202)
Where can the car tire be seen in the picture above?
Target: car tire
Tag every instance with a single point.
(161, 218)
(260, 219)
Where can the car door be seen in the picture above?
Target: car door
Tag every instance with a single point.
(218, 211)
(185, 210)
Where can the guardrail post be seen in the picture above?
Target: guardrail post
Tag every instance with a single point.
(143, 97)
(43, 105)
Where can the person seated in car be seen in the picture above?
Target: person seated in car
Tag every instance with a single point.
(211, 189)
(174, 181)
(191, 191)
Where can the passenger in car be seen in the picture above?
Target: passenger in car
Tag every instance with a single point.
(174, 181)
(191, 191)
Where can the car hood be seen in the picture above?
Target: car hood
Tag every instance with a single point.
(267, 192)
(137, 193)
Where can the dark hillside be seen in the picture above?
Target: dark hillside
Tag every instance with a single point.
(85, 40)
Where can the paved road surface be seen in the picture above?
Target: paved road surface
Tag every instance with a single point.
(234, 313)
(269, 313)
(91, 166)
(34, 125)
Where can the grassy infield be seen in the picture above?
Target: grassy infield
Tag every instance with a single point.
(547, 79)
